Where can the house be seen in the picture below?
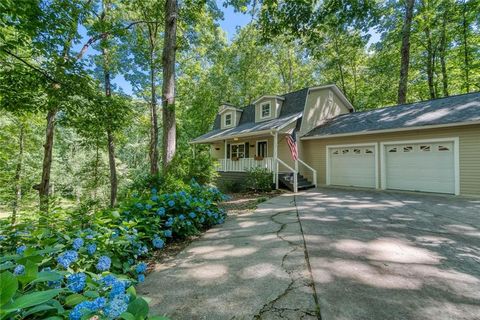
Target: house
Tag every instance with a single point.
(429, 146)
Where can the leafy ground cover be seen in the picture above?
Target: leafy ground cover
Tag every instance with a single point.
(71, 265)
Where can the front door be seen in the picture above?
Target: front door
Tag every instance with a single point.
(262, 149)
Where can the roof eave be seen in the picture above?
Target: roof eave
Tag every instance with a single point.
(339, 135)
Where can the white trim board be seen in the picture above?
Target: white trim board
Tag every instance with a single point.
(328, 147)
(361, 133)
(456, 156)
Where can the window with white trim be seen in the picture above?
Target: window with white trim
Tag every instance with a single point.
(265, 110)
(237, 150)
(228, 119)
(443, 148)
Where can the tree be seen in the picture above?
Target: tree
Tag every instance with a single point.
(405, 51)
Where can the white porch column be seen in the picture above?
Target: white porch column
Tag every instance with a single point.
(225, 156)
(275, 156)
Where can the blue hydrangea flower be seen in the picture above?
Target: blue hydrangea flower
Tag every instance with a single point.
(89, 237)
(161, 211)
(220, 221)
(167, 233)
(67, 258)
(108, 280)
(189, 223)
(192, 215)
(215, 215)
(116, 307)
(76, 282)
(103, 263)
(141, 278)
(142, 250)
(21, 249)
(85, 307)
(139, 205)
(209, 213)
(141, 267)
(158, 243)
(91, 248)
(148, 206)
(118, 288)
(187, 203)
(169, 222)
(202, 220)
(77, 243)
(181, 217)
(171, 203)
(154, 198)
(2, 237)
(154, 190)
(115, 234)
(19, 270)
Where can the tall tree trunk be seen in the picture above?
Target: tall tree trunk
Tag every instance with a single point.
(168, 88)
(465, 47)
(430, 63)
(18, 175)
(153, 152)
(113, 170)
(405, 52)
(110, 137)
(44, 186)
(442, 54)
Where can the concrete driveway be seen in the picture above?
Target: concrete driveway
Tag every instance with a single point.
(385, 255)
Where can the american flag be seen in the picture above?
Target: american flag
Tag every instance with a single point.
(292, 144)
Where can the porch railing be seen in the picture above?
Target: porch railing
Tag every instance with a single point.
(244, 164)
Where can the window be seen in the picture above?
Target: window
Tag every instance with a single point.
(394, 149)
(345, 151)
(357, 151)
(408, 149)
(238, 150)
(228, 119)
(265, 110)
(368, 151)
(443, 148)
(425, 148)
(335, 152)
(262, 149)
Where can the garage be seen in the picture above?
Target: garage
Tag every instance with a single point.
(352, 165)
(428, 166)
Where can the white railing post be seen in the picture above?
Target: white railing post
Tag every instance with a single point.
(275, 157)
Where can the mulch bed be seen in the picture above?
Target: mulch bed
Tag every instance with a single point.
(239, 203)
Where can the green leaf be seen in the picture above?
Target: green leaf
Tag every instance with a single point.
(42, 307)
(74, 299)
(47, 276)
(127, 316)
(91, 294)
(31, 271)
(6, 265)
(8, 287)
(31, 299)
(138, 307)
(131, 290)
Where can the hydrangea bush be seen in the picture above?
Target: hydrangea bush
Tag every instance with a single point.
(76, 268)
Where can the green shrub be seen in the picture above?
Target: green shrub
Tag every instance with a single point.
(232, 186)
(259, 179)
(76, 265)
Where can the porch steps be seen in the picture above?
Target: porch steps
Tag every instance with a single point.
(286, 180)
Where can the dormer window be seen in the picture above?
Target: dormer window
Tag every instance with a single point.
(228, 119)
(265, 110)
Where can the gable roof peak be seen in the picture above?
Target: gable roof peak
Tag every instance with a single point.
(265, 96)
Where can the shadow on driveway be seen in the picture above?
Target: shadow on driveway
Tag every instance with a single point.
(385, 255)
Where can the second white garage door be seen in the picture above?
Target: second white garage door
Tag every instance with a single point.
(420, 167)
(352, 166)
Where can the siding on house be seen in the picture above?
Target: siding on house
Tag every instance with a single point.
(275, 105)
(321, 104)
(314, 151)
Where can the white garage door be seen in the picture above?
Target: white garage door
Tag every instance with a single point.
(352, 166)
(420, 167)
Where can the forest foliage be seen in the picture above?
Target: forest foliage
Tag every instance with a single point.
(60, 61)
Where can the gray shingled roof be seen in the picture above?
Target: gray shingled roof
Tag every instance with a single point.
(249, 127)
(450, 110)
(292, 107)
